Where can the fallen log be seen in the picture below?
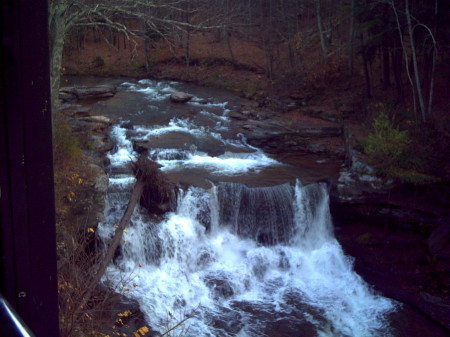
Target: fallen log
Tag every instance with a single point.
(148, 176)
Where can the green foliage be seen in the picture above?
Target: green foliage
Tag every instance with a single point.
(386, 145)
(66, 145)
(392, 152)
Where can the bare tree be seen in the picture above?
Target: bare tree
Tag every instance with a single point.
(157, 18)
(323, 41)
(425, 103)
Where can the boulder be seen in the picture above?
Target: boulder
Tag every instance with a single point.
(180, 97)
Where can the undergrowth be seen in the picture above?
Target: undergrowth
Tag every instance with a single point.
(413, 156)
(78, 248)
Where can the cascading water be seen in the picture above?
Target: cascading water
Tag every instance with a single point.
(242, 261)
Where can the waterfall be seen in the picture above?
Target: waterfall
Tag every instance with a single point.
(239, 259)
(264, 214)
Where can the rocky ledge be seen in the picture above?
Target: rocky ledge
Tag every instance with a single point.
(73, 94)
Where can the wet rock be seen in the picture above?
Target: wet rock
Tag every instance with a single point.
(180, 97)
(71, 94)
(90, 124)
(81, 126)
(359, 179)
(306, 140)
(183, 142)
(237, 115)
(96, 119)
(134, 319)
(141, 146)
(439, 242)
(220, 286)
(75, 110)
(67, 96)
(100, 143)
(227, 320)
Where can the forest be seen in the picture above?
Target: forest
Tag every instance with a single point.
(378, 69)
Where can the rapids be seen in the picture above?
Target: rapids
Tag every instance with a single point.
(248, 250)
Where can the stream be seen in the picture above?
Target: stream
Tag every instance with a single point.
(246, 249)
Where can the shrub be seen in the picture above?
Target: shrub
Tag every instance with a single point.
(393, 154)
(386, 145)
(66, 146)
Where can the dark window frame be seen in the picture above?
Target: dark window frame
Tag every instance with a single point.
(27, 215)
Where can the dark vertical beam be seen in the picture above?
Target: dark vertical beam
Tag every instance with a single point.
(27, 235)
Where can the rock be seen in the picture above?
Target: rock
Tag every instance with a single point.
(97, 119)
(130, 323)
(237, 116)
(87, 127)
(75, 110)
(70, 94)
(227, 320)
(180, 97)
(220, 286)
(319, 140)
(100, 143)
(100, 180)
(67, 96)
(91, 124)
(318, 112)
(439, 242)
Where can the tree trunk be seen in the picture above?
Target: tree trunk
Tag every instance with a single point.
(187, 47)
(134, 199)
(385, 50)
(187, 54)
(365, 58)
(397, 66)
(230, 49)
(405, 53)
(352, 38)
(414, 61)
(57, 34)
(146, 54)
(323, 41)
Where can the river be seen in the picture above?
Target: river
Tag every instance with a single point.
(247, 249)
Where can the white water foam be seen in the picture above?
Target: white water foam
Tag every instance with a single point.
(124, 153)
(241, 272)
(228, 164)
(175, 125)
(179, 266)
(153, 91)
